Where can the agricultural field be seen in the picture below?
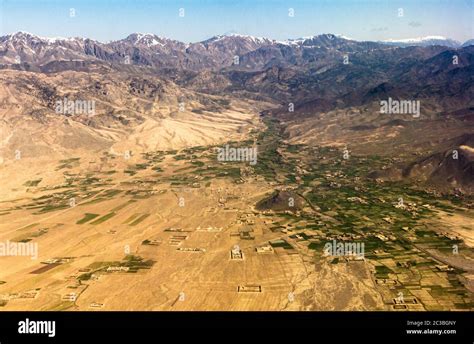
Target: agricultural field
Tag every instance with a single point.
(180, 230)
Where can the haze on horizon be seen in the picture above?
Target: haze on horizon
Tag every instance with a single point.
(113, 20)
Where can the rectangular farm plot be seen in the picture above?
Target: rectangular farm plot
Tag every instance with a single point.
(44, 268)
(87, 217)
(139, 219)
(103, 218)
(249, 289)
(135, 219)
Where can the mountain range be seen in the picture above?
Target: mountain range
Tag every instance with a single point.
(220, 51)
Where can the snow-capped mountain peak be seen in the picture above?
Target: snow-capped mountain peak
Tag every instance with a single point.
(147, 39)
(27, 37)
(249, 38)
(424, 41)
(417, 40)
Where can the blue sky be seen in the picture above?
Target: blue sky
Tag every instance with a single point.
(107, 20)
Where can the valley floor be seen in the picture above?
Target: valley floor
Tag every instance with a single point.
(180, 230)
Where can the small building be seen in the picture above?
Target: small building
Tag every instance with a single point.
(236, 254)
(264, 249)
(70, 297)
